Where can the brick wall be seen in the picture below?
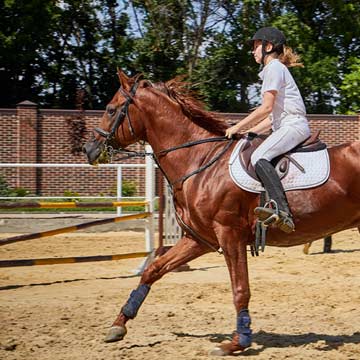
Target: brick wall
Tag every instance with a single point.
(9, 144)
(335, 129)
(31, 135)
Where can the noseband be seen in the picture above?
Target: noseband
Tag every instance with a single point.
(122, 114)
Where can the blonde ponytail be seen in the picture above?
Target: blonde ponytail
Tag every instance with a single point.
(289, 58)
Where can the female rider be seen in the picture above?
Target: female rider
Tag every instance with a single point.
(282, 110)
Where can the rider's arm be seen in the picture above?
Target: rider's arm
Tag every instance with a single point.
(262, 127)
(261, 113)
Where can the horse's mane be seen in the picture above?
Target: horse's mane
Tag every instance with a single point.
(192, 106)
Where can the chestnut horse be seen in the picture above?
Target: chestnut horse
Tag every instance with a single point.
(213, 212)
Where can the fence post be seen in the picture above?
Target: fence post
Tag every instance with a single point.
(149, 196)
(149, 222)
(119, 188)
(27, 140)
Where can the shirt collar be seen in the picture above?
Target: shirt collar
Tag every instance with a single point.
(261, 73)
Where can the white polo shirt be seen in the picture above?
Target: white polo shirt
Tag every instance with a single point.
(289, 105)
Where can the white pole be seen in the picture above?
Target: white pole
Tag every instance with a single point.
(149, 222)
(149, 196)
(119, 188)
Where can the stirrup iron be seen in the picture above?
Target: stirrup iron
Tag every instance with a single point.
(269, 213)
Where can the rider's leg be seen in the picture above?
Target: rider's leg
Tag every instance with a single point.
(279, 142)
(272, 184)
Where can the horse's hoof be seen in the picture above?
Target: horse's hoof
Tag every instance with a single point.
(218, 351)
(306, 249)
(116, 333)
(228, 348)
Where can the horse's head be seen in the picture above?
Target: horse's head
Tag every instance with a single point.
(166, 113)
(118, 127)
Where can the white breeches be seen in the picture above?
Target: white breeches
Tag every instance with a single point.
(281, 141)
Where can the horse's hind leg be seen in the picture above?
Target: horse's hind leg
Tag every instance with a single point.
(234, 247)
(307, 248)
(183, 251)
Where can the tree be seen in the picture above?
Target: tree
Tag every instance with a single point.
(49, 50)
(350, 88)
(326, 34)
(25, 34)
(227, 70)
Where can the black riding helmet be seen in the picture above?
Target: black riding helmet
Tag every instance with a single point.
(271, 35)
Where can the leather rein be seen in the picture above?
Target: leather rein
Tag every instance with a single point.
(109, 136)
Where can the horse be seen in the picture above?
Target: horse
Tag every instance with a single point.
(191, 150)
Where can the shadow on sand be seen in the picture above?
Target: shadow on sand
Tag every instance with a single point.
(272, 340)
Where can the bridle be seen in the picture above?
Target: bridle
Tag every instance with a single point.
(122, 114)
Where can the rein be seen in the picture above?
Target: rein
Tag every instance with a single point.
(192, 143)
(198, 142)
(132, 153)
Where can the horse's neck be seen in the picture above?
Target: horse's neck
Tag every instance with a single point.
(165, 132)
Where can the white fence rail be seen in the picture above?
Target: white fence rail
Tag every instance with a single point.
(119, 169)
(149, 191)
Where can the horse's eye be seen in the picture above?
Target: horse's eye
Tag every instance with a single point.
(111, 111)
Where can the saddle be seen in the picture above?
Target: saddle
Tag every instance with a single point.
(282, 162)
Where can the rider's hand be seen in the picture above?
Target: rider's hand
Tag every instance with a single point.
(232, 131)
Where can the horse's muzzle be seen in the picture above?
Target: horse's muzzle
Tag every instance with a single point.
(93, 148)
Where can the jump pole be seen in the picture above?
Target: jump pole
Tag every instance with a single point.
(69, 260)
(68, 229)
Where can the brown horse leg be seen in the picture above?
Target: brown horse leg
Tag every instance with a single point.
(184, 250)
(307, 248)
(236, 259)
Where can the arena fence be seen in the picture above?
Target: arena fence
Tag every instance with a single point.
(148, 215)
(69, 204)
(119, 179)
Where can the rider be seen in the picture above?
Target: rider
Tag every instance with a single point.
(283, 111)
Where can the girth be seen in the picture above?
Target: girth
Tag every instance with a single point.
(282, 162)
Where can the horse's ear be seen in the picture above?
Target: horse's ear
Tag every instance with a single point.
(124, 80)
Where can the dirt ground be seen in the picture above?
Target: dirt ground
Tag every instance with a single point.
(302, 306)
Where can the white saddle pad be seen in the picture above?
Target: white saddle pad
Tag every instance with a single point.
(316, 165)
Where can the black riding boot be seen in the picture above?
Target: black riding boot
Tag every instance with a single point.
(270, 180)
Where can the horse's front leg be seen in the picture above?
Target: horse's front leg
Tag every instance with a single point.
(184, 250)
(233, 244)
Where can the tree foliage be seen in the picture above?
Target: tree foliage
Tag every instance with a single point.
(50, 50)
